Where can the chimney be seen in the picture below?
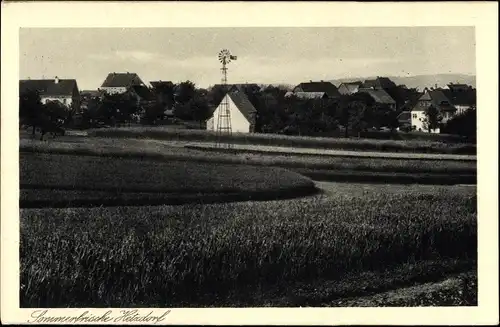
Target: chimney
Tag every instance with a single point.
(56, 80)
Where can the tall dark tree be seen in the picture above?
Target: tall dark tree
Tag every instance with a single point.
(185, 91)
(432, 118)
(464, 124)
(30, 109)
(165, 94)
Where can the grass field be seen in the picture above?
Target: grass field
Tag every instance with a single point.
(419, 146)
(315, 166)
(304, 251)
(52, 179)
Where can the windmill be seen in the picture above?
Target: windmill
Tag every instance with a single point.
(224, 115)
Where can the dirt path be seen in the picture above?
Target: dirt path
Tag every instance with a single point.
(451, 291)
(325, 152)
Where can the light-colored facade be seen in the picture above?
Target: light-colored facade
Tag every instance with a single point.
(114, 89)
(239, 123)
(417, 121)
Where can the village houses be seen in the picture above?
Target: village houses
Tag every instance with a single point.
(64, 91)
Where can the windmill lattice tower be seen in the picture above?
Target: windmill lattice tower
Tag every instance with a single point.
(224, 128)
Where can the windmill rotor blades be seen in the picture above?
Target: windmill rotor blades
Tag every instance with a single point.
(225, 56)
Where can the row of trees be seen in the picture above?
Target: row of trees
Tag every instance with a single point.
(276, 113)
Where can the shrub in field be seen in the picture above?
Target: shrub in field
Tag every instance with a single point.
(290, 141)
(195, 255)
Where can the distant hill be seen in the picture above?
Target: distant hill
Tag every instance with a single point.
(419, 81)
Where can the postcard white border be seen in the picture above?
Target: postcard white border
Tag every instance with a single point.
(482, 15)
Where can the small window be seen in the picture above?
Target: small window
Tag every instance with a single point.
(414, 115)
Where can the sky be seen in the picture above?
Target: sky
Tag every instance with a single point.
(264, 55)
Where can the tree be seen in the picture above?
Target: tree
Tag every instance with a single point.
(30, 109)
(464, 124)
(432, 119)
(165, 94)
(197, 109)
(153, 112)
(185, 92)
(117, 108)
(353, 112)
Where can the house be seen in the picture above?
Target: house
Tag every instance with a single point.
(317, 89)
(462, 96)
(436, 98)
(64, 91)
(379, 83)
(380, 96)
(241, 111)
(349, 88)
(457, 87)
(120, 82)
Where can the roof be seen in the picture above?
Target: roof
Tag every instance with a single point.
(325, 87)
(438, 99)
(404, 116)
(244, 105)
(461, 98)
(158, 83)
(379, 83)
(380, 96)
(48, 87)
(122, 80)
(352, 87)
(142, 91)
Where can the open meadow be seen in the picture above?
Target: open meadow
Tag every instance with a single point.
(350, 240)
(424, 169)
(128, 223)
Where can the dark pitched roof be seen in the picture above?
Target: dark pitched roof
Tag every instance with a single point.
(48, 87)
(158, 83)
(380, 96)
(244, 105)
(325, 87)
(461, 98)
(143, 92)
(122, 80)
(379, 83)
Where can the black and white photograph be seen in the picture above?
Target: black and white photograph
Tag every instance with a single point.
(247, 167)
